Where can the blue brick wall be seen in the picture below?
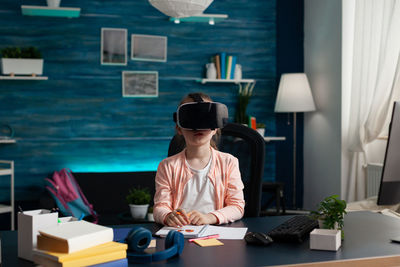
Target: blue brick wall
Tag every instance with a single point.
(78, 118)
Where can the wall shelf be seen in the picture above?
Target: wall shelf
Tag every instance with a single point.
(208, 18)
(7, 141)
(274, 138)
(203, 81)
(7, 168)
(69, 12)
(24, 78)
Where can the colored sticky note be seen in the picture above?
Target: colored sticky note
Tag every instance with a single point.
(208, 242)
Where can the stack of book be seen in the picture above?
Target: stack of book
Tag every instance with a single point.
(79, 243)
(225, 65)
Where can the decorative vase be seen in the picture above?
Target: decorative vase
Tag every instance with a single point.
(211, 71)
(238, 72)
(261, 131)
(53, 3)
(138, 211)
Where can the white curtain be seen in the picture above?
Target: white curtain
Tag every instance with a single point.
(376, 48)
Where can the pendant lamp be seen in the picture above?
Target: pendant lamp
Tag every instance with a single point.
(181, 8)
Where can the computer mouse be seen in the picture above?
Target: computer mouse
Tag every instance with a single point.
(257, 238)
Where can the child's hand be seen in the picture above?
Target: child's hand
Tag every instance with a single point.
(198, 218)
(177, 218)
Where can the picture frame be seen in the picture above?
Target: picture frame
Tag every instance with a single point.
(149, 47)
(114, 47)
(140, 83)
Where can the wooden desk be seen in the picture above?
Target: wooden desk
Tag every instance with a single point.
(367, 236)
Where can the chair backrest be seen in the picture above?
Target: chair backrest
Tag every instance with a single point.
(248, 146)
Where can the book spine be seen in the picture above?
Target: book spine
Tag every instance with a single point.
(233, 67)
(218, 65)
(223, 65)
(228, 67)
(117, 263)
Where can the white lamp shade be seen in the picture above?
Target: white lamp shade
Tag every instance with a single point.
(181, 8)
(294, 94)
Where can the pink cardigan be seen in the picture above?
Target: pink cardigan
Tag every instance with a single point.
(173, 174)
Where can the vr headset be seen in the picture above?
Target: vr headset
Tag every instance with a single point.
(201, 115)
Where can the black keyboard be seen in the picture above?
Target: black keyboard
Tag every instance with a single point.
(296, 229)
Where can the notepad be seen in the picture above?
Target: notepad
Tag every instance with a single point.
(208, 242)
(234, 233)
(188, 231)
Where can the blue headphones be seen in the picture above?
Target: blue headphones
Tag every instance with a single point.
(138, 239)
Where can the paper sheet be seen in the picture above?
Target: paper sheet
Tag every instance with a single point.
(226, 232)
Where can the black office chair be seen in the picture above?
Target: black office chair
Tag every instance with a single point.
(248, 146)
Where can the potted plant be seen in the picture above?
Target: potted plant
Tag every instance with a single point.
(260, 128)
(243, 100)
(138, 200)
(21, 61)
(330, 213)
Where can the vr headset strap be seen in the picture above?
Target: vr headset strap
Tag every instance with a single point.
(196, 97)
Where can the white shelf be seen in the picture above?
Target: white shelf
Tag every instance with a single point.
(274, 138)
(23, 77)
(68, 12)
(208, 18)
(7, 141)
(5, 208)
(5, 171)
(203, 81)
(8, 170)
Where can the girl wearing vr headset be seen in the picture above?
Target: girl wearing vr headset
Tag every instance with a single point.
(199, 185)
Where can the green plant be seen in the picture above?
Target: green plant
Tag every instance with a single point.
(260, 125)
(331, 210)
(243, 100)
(18, 52)
(150, 209)
(138, 196)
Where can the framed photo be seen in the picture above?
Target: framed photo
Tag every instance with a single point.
(113, 46)
(140, 84)
(148, 47)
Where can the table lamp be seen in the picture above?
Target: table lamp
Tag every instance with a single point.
(294, 95)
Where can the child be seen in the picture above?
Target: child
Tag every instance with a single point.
(199, 185)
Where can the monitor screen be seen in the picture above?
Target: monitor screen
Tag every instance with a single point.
(389, 190)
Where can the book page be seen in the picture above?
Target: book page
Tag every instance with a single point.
(189, 231)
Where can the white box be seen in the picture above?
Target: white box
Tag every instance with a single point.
(29, 222)
(325, 239)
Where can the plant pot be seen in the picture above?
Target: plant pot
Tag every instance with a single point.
(261, 131)
(22, 66)
(150, 217)
(53, 3)
(138, 211)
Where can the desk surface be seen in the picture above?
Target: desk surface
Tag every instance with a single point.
(367, 234)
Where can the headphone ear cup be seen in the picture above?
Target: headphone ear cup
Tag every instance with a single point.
(138, 239)
(175, 238)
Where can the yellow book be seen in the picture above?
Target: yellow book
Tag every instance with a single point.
(99, 249)
(85, 261)
(228, 67)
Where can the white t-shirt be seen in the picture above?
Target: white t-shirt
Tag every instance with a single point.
(199, 192)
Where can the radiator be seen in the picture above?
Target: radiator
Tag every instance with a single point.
(374, 172)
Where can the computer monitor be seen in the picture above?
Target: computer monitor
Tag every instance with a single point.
(389, 190)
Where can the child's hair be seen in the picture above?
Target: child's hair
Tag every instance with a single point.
(190, 98)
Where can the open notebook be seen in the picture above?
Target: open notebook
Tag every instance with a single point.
(194, 231)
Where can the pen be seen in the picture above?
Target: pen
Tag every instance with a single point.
(83, 215)
(204, 237)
